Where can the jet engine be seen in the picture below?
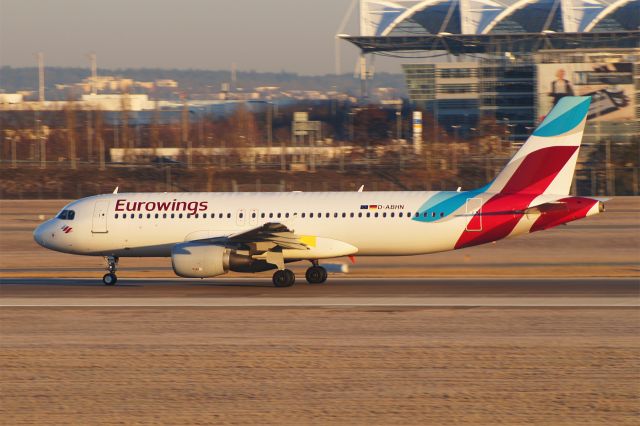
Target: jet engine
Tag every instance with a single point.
(202, 260)
(199, 260)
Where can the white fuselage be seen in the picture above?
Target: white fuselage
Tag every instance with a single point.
(132, 225)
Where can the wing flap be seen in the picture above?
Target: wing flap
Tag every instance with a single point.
(272, 232)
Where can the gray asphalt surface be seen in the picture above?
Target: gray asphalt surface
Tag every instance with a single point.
(259, 292)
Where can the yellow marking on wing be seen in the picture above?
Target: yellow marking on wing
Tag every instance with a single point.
(309, 240)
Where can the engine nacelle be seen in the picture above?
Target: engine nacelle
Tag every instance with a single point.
(199, 260)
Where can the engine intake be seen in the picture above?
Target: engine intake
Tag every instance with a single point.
(199, 260)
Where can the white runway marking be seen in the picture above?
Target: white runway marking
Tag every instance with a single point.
(301, 302)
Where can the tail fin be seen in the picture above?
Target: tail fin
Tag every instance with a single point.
(546, 162)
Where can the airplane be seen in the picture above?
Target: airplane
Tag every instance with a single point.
(209, 234)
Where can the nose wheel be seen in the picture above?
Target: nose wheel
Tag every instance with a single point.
(284, 278)
(110, 277)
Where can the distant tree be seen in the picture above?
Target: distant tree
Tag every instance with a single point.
(372, 126)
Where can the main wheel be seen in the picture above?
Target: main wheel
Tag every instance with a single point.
(316, 275)
(109, 279)
(284, 278)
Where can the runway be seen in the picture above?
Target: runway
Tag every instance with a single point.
(373, 351)
(339, 292)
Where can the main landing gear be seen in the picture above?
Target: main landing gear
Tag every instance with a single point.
(316, 274)
(110, 278)
(284, 278)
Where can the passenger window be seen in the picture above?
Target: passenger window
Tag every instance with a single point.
(148, 215)
(180, 216)
(270, 215)
(262, 215)
(286, 215)
(228, 215)
(279, 215)
(360, 214)
(344, 214)
(433, 214)
(116, 215)
(393, 214)
(441, 214)
(173, 215)
(400, 214)
(132, 215)
(303, 215)
(368, 214)
(164, 215)
(425, 214)
(204, 215)
(253, 215)
(384, 214)
(197, 216)
(241, 215)
(376, 214)
(335, 215)
(417, 214)
(352, 214)
(157, 215)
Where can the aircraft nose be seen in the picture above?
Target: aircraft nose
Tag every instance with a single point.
(39, 234)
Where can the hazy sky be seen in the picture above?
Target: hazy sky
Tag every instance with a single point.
(261, 35)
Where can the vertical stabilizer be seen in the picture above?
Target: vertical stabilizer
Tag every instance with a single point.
(546, 162)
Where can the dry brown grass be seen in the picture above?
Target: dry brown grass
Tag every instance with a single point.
(320, 366)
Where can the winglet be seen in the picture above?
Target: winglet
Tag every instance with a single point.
(115, 191)
(361, 188)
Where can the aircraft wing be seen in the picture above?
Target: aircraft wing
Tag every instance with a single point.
(273, 232)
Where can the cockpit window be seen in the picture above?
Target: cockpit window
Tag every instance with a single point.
(67, 215)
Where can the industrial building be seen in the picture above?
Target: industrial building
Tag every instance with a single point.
(509, 61)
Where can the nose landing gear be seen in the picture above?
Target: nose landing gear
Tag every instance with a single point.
(110, 278)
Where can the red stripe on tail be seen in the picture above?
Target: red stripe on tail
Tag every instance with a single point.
(495, 223)
(538, 170)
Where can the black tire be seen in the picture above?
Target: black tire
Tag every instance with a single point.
(291, 277)
(316, 275)
(324, 274)
(109, 279)
(284, 278)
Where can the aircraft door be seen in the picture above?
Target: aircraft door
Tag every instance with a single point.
(99, 222)
(474, 221)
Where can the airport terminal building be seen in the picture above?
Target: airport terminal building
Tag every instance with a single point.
(509, 61)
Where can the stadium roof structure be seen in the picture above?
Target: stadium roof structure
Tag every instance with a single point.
(458, 44)
(382, 18)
